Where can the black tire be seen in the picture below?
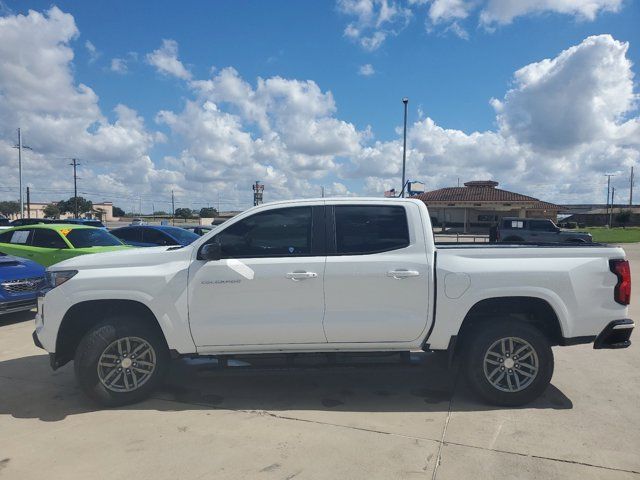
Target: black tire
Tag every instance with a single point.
(98, 339)
(483, 337)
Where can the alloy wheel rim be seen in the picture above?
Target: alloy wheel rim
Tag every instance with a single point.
(126, 364)
(511, 364)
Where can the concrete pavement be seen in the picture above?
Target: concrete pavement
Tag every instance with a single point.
(336, 422)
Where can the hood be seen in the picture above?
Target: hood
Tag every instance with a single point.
(13, 268)
(127, 257)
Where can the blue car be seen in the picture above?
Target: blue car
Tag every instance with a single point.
(154, 235)
(20, 282)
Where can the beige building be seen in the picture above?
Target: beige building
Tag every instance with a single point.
(479, 204)
(102, 211)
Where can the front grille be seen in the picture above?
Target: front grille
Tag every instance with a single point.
(23, 285)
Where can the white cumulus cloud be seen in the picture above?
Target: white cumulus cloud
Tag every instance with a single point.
(165, 59)
(366, 70)
(373, 21)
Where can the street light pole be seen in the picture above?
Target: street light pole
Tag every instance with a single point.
(613, 192)
(20, 172)
(609, 175)
(405, 100)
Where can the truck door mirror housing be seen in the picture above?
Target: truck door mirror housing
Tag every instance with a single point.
(211, 251)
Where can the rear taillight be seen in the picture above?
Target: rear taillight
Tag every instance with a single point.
(622, 291)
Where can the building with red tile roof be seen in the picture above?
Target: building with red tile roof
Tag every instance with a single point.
(480, 204)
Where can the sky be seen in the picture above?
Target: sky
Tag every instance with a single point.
(204, 98)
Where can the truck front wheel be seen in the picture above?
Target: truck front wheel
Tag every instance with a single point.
(509, 363)
(121, 361)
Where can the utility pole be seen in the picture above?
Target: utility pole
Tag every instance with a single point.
(613, 191)
(608, 175)
(75, 164)
(28, 203)
(173, 209)
(20, 146)
(405, 100)
(631, 188)
(322, 191)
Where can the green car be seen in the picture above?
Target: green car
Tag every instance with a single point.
(47, 244)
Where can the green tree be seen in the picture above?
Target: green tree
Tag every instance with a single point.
(118, 212)
(51, 211)
(208, 212)
(184, 213)
(160, 213)
(9, 208)
(623, 217)
(68, 206)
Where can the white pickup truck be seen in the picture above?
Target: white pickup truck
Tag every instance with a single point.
(332, 275)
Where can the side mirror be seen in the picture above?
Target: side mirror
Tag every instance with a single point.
(211, 251)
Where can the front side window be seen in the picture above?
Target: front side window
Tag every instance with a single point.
(183, 237)
(90, 237)
(542, 226)
(370, 229)
(283, 232)
(45, 238)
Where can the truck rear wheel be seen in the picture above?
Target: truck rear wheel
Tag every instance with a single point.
(121, 361)
(509, 363)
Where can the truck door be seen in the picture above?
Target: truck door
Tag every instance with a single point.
(268, 286)
(377, 274)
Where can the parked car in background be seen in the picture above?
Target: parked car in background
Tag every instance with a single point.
(137, 221)
(4, 223)
(83, 221)
(20, 222)
(537, 230)
(199, 230)
(154, 235)
(20, 282)
(50, 244)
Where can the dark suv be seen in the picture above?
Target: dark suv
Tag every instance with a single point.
(537, 230)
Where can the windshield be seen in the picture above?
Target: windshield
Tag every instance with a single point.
(184, 237)
(90, 237)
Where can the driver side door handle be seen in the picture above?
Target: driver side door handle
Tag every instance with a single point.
(296, 276)
(403, 273)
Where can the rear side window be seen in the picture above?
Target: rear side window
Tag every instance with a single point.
(283, 232)
(44, 238)
(370, 229)
(508, 224)
(129, 234)
(18, 237)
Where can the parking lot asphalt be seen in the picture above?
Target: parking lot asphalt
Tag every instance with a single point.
(384, 420)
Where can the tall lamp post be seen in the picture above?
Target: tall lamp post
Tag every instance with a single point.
(20, 147)
(405, 100)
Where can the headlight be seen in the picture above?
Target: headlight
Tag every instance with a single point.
(58, 277)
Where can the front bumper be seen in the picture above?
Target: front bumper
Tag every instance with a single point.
(52, 356)
(615, 335)
(17, 306)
